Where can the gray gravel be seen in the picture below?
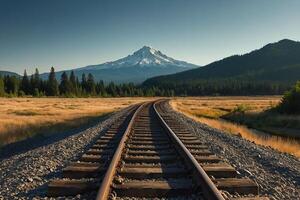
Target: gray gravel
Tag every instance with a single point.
(277, 174)
(25, 175)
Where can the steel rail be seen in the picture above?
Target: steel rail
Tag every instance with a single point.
(209, 189)
(104, 190)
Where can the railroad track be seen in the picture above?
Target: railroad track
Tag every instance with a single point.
(148, 154)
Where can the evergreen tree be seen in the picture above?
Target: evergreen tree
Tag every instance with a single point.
(25, 84)
(65, 85)
(100, 89)
(52, 85)
(11, 85)
(73, 83)
(83, 83)
(90, 85)
(2, 91)
(79, 89)
(36, 83)
(43, 87)
(111, 89)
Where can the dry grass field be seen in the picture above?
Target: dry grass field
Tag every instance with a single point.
(25, 117)
(213, 110)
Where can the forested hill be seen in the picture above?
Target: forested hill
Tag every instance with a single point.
(275, 65)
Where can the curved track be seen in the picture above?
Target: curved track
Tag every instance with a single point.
(148, 154)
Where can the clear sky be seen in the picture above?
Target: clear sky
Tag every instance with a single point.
(74, 33)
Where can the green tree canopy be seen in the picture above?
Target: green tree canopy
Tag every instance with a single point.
(36, 81)
(25, 84)
(290, 102)
(73, 83)
(52, 85)
(12, 84)
(65, 84)
(90, 84)
(2, 91)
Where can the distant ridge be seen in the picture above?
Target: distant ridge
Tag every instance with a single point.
(5, 73)
(275, 62)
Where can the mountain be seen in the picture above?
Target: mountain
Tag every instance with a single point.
(142, 64)
(276, 62)
(4, 73)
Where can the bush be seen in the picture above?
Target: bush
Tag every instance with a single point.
(21, 93)
(36, 92)
(290, 103)
(241, 108)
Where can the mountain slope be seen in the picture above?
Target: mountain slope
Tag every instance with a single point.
(144, 57)
(5, 73)
(279, 62)
(142, 64)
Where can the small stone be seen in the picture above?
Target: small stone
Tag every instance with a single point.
(37, 178)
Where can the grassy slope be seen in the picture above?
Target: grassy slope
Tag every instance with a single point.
(271, 122)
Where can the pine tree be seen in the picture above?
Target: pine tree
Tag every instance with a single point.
(25, 84)
(73, 83)
(65, 85)
(90, 85)
(111, 89)
(11, 84)
(79, 89)
(52, 85)
(100, 89)
(2, 91)
(43, 87)
(83, 83)
(36, 83)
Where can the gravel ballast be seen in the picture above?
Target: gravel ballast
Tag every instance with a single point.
(25, 175)
(276, 173)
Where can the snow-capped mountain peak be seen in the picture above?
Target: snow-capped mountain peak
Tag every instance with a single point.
(144, 57)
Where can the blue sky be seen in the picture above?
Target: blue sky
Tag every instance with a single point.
(74, 33)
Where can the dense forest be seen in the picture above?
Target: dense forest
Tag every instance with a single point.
(71, 86)
(215, 87)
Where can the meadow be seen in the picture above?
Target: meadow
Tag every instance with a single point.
(244, 116)
(26, 117)
(247, 117)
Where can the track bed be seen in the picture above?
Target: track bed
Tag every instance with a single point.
(149, 155)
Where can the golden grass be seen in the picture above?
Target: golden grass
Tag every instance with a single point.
(207, 110)
(20, 117)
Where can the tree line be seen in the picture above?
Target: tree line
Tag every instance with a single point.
(217, 87)
(72, 86)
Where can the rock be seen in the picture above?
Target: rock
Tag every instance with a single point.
(37, 178)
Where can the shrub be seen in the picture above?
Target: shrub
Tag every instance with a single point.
(290, 102)
(241, 108)
(21, 93)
